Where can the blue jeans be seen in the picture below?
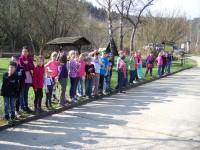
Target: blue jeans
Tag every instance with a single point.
(132, 75)
(168, 67)
(159, 70)
(163, 69)
(136, 74)
(21, 99)
(88, 86)
(63, 84)
(9, 107)
(121, 80)
(72, 91)
(80, 87)
(26, 90)
(107, 83)
(126, 79)
(49, 95)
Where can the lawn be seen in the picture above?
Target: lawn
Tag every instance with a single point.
(4, 63)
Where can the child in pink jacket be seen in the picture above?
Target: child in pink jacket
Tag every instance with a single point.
(159, 61)
(122, 73)
(81, 75)
(53, 67)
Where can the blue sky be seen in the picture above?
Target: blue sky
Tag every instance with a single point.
(191, 8)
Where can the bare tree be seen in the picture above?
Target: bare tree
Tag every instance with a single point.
(11, 22)
(108, 5)
(194, 35)
(95, 32)
(57, 21)
(158, 28)
(121, 23)
(134, 10)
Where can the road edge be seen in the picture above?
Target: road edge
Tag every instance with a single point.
(80, 103)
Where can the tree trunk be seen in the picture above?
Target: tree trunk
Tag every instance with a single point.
(32, 44)
(110, 28)
(121, 35)
(197, 41)
(41, 52)
(132, 40)
(13, 43)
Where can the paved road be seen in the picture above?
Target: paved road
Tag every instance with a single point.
(163, 115)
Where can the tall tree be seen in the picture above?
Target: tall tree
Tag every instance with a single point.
(158, 28)
(54, 18)
(134, 10)
(121, 32)
(108, 5)
(13, 22)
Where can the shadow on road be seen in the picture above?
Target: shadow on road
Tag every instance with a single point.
(75, 128)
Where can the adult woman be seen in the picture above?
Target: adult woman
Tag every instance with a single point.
(26, 62)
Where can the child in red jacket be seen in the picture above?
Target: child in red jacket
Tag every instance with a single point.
(38, 83)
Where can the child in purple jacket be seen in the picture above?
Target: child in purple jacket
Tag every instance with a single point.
(149, 64)
(74, 68)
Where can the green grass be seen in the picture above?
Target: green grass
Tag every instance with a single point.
(4, 63)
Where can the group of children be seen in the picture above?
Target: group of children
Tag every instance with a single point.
(132, 65)
(164, 62)
(94, 70)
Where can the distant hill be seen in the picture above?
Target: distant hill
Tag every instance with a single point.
(95, 12)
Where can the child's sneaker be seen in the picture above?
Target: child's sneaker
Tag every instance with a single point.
(17, 115)
(41, 110)
(90, 97)
(105, 93)
(79, 95)
(74, 100)
(62, 105)
(69, 100)
(37, 111)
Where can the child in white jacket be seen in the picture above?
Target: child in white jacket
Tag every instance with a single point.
(49, 83)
